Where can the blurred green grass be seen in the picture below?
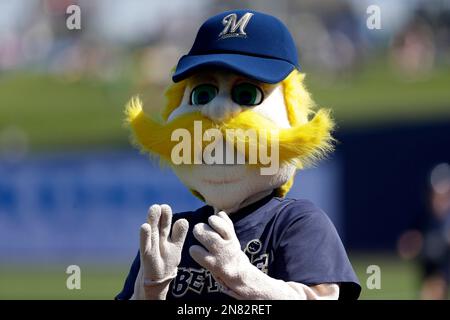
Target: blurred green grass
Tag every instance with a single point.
(379, 95)
(36, 282)
(399, 280)
(64, 113)
(58, 112)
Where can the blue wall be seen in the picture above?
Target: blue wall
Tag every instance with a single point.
(89, 205)
(386, 180)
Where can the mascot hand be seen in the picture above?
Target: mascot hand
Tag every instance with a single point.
(223, 256)
(240, 279)
(160, 253)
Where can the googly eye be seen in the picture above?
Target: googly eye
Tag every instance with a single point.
(203, 94)
(247, 94)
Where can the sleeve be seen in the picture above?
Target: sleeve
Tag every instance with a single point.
(310, 251)
(128, 288)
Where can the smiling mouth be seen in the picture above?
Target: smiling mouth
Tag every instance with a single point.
(222, 181)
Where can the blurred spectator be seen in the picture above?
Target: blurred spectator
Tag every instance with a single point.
(436, 250)
(430, 242)
(413, 50)
(424, 41)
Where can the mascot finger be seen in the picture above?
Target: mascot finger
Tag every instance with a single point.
(224, 216)
(145, 243)
(179, 232)
(165, 222)
(209, 238)
(221, 228)
(154, 214)
(202, 257)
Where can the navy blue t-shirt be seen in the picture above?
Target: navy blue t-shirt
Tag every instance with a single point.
(290, 240)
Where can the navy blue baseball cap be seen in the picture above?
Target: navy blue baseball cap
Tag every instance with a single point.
(251, 43)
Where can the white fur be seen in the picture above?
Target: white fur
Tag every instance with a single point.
(240, 182)
(222, 107)
(243, 182)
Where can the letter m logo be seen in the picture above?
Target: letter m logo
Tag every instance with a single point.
(234, 27)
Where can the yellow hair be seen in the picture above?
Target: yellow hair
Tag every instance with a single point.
(297, 99)
(305, 142)
(298, 145)
(174, 94)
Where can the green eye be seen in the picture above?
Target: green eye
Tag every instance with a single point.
(247, 94)
(203, 94)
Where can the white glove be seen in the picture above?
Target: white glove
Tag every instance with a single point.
(230, 266)
(223, 255)
(160, 254)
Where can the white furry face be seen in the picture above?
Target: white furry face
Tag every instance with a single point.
(222, 107)
(226, 187)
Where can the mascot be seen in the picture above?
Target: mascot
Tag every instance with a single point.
(237, 125)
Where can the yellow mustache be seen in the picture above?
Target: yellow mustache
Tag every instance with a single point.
(298, 145)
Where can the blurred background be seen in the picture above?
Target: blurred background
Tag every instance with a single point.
(74, 192)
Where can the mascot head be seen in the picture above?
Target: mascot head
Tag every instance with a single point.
(238, 121)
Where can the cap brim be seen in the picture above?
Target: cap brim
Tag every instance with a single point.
(262, 69)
